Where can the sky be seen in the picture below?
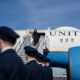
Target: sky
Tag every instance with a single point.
(40, 14)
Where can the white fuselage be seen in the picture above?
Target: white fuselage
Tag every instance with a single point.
(60, 39)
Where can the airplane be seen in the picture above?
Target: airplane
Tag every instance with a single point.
(54, 44)
(58, 40)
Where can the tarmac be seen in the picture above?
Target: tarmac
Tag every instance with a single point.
(59, 73)
(60, 78)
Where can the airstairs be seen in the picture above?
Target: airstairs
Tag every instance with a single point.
(26, 41)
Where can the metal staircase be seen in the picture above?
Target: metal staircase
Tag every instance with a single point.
(26, 41)
(20, 47)
(41, 45)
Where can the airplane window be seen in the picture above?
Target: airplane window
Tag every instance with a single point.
(66, 40)
(72, 40)
(61, 40)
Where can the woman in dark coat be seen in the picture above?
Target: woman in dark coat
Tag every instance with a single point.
(35, 37)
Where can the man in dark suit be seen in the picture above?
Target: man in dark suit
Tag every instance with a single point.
(47, 71)
(33, 71)
(39, 59)
(11, 65)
